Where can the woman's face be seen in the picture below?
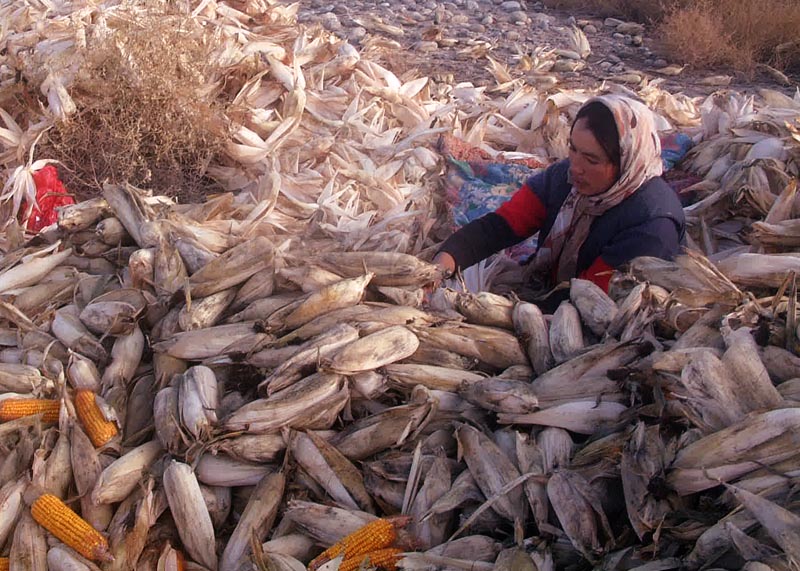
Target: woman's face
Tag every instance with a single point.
(591, 170)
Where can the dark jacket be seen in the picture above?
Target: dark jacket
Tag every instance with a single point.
(650, 222)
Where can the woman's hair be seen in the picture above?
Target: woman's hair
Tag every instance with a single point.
(600, 121)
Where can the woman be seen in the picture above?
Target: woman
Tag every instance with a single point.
(598, 209)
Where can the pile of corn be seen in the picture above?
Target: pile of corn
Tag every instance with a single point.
(259, 382)
(244, 406)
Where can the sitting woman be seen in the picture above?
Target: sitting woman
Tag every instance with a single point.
(596, 210)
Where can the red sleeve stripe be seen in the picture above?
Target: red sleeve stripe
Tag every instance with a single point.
(523, 212)
(599, 273)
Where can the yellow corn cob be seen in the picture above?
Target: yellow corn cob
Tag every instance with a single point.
(374, 536)
(4, 563)
(13, 409)
(379, 559)
(99, 430)
(54, 515)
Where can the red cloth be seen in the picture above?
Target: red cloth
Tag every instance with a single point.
(448, 145)
(50, 193)
(524, 212)
(599, 273)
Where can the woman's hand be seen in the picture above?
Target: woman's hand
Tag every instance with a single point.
(448, 265)
(446, 262)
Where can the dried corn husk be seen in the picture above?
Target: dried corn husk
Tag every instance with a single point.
(565, 333)
(190, 513)
(372, 351)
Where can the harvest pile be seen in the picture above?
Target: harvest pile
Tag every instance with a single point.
(239, 383)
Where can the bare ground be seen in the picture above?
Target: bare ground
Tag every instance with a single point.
(449, 41)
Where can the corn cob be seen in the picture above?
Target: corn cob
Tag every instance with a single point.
(54, 515)
(379, 559)
(99, 430)
(376, 535)
(13, 409)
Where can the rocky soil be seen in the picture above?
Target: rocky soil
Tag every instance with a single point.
(449, 41)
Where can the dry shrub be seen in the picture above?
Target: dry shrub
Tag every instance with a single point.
(696, 35)
(147, 112)
(739, 33)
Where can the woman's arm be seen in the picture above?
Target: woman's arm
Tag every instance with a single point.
(518, 218)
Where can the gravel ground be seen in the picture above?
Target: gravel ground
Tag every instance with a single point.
(449, 41)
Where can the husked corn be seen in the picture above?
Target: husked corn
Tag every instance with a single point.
(99, 430)
(379, 559)
(54, 515)
(377, 534)
(13, 409)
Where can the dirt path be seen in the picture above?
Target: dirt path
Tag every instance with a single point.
(448, 41)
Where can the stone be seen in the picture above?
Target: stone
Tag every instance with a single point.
(590, 29)
(451, 7)
(427, 46)
(618, 36)
(459, 19)
(330, 22)
(511, 6)
(538, 6)
(612, 22)
(628, 40)
(440, 15)
(356, 34)
(571, 21)
(660, 62)
(613, 58)
(431, 5)
(472, 6)
(512, 36)
(447, 42)
(631, 28)
(488, 20)
(541, 21)
(477, 28)
(605, 65)
(618, 68)
(518, 16)
(340, 9)
(637, 40)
